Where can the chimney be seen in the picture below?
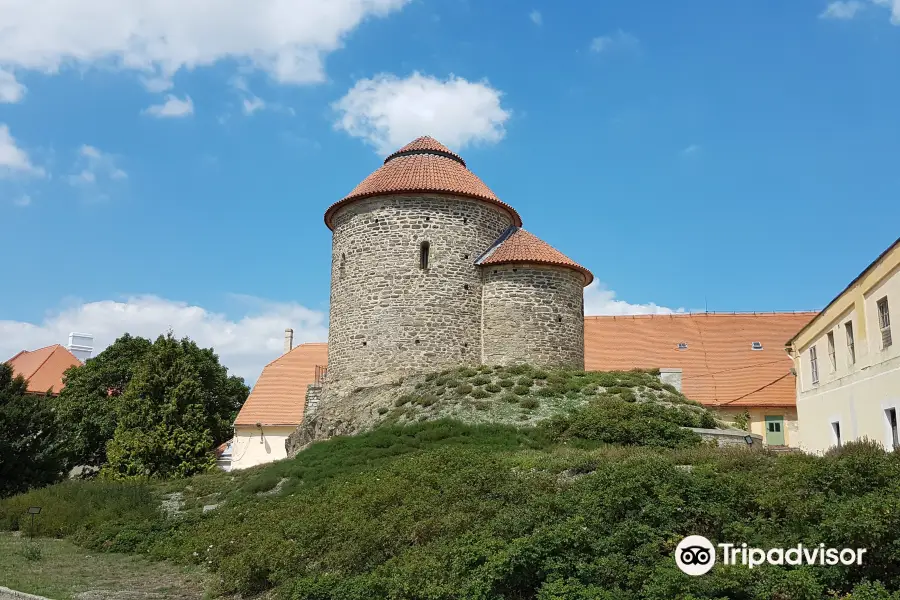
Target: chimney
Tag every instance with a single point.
(288, 340)
(81, 345)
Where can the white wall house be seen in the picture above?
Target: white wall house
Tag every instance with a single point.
(275, 406)
(848, 362)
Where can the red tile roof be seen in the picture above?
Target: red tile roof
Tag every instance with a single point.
(43, 368)
(718, 367)
(423, 166)
(519, 246)
(279, 395)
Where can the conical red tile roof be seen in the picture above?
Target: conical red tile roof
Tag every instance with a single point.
(423, 165)
(519, 246)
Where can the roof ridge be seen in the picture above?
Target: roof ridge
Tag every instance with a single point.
(706, 314)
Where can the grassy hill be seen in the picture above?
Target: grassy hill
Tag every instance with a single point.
(518, 395)
(589, 502)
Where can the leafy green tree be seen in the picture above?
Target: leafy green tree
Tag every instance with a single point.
(177, 408)
(31, 451)
(88, 405)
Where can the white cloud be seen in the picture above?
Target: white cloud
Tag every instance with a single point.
(14, 160)
(173, 107)
(388, 112)
(22, 201)
(690, 150)
(536, 17)
(95, 168)
(620, 40)
(253, 104)
(600, 301)
(244, 345)
(848, 9)
(11, 91)
(894, 6)
(842, 10)
(288, 39)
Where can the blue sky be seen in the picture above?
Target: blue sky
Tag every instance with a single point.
(735, 155)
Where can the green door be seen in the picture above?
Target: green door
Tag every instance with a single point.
(775, 431)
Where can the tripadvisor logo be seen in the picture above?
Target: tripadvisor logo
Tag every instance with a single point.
(696, 555)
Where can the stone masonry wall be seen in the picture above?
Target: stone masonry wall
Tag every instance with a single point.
(389, 316)
(533, 314)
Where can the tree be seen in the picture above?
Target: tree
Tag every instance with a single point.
(31, 449)
(88, 404)
(179, 405)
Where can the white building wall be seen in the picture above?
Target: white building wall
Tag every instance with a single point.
(256, 446)
(854, 395)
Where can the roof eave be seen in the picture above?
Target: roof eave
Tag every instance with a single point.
(329, 213)
(588, 276)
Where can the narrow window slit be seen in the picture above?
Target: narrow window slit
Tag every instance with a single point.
(424, 251)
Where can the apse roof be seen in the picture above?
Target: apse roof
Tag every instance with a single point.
(519, 246)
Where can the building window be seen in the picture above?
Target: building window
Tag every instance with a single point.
(814, 366)
(851, 345)
(756, 346)
(891, 415)
(424, 250)
(884, 322)
(832, 356)
(836, 429)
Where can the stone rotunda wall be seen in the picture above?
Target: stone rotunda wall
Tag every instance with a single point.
(533, 314)
(389, 316)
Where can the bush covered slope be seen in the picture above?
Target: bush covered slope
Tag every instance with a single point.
(445, 510)
(518, 395)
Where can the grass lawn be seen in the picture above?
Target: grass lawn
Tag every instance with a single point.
(65, 571)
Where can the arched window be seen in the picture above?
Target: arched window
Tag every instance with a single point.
(424, 250)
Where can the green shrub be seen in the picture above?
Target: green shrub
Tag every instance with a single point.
(403, 400)
(31, 552)
(492, 388)
(420, 385)
(627, 396)
(440, 381)
(526, 381)
(510, 398)
(463, 389)
(518, 369)
(485, 369)
(529, 403)
(521, 390)
(481, 380)
(382, 410)
(426, 400)
(480, 405)
(466, 372)
(431, 377)
(452, 383)
(617, 390)
(574, 386)
(549, 392)
(479, 393)
(573, 394)
(506, 383)
(540, 374)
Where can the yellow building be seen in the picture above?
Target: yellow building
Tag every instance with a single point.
(848, 365)
(275, 406)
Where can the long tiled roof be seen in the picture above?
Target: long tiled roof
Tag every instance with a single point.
(279, 395)
(426, 166)
(719, 366)
(519, 246)
(43, 368)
